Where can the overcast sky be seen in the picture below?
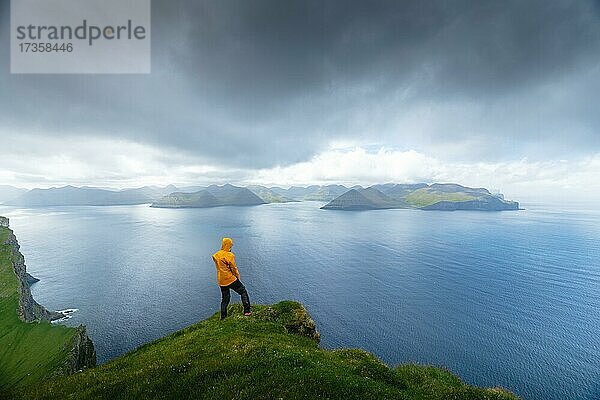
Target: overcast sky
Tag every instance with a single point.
(501, 94)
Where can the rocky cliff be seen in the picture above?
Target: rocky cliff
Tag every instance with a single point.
(82, 353)
(29, 309)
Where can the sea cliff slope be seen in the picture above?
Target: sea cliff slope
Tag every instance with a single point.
(31, 348)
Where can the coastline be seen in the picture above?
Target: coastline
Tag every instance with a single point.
(69, 349)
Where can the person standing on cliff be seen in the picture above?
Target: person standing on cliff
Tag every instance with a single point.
(228, 277)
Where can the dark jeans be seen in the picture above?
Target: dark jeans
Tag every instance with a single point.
(240, 289)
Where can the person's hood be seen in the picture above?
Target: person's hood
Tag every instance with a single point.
(227, 243)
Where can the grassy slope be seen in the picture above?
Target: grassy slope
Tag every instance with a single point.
(424, 197)
(29, 352)
(254, 358)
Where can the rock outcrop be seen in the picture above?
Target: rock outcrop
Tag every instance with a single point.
(82, 354)
(294, 317)
(31, 279)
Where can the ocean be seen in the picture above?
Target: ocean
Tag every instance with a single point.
(507, 299)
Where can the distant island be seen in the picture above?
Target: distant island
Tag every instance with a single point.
(86, 196)
(423, 196)
(9, 193)
(212, 196)
(438, 196)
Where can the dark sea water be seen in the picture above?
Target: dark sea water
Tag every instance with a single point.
(506, 299)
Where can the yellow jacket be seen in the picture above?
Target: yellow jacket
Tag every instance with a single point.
(224, 259)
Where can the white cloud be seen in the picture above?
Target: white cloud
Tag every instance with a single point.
(520, 178)
(26, 161)
(110, 163)
(352, 166)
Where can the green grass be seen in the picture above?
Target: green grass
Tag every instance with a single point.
(257, 357)
(29, 352)
(425, 197)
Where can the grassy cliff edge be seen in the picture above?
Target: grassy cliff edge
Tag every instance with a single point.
(273, 354)
(31, 348)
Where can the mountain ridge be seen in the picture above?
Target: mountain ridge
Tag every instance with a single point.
(435, 196)
(212, 196)
(88, 196)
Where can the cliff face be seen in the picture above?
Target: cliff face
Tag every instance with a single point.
(82, 353)
(29, 309)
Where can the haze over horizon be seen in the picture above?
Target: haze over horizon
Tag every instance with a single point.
(501, 95)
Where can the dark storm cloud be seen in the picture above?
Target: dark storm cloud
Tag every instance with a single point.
(260, 83)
